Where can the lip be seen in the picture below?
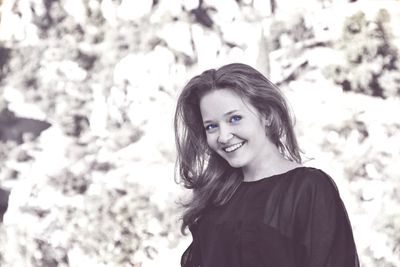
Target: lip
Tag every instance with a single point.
(224, 147)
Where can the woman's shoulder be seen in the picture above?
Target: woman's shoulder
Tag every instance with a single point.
(312, 175)
(297, 177)
(311, 179)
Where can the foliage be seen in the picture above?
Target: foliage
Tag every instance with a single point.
(293, 29)
(88, 211)
(74, 212)
(106, 225)
(371, 60)
(365, 149)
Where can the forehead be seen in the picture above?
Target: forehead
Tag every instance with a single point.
(218, 102)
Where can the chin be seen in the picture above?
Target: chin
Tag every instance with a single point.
(235, 164)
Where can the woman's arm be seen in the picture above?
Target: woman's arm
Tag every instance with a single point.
(322, 225)
(191, 256)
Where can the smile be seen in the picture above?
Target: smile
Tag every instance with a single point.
(234, 147)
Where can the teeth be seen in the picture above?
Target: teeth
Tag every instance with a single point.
(234, 147)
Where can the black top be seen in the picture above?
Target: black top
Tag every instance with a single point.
(293, 219)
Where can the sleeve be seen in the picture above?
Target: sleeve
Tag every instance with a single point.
(191, 256)
(322, 225)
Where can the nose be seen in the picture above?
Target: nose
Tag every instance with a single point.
(224, 135)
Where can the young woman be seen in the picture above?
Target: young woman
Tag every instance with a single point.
(254, 204)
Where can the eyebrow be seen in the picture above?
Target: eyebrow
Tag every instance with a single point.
(226, 114)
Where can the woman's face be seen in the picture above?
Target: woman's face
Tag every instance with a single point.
(234, 128)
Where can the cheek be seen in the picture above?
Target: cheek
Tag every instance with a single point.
(211, 140)
(245, 129)
(252, 131)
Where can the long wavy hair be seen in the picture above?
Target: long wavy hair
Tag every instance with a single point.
(211, 178)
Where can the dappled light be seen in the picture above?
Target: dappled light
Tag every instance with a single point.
(88, 91)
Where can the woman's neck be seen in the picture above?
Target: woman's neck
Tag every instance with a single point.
(274, 164)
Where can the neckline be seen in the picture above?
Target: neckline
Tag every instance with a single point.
(270, 178)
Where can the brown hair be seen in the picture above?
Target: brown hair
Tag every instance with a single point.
(212, 179)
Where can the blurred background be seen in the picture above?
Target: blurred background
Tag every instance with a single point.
(87, 98)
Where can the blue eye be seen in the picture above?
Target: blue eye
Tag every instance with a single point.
(210, 127)
(235, 118)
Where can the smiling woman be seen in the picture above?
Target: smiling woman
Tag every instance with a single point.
(253, 202)
(238, 134)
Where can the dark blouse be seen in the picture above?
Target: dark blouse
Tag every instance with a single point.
(293, 219)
